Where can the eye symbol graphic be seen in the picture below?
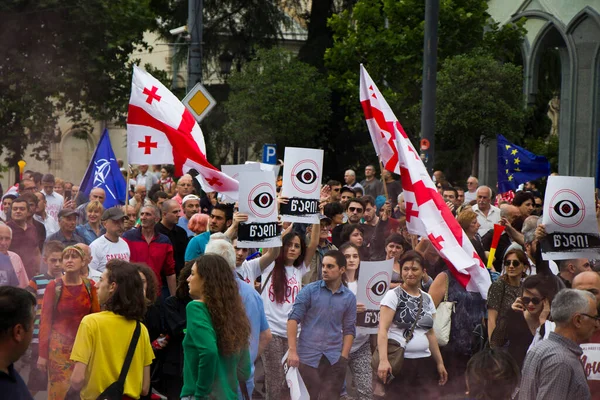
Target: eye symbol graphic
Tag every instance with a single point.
(566, 208)
(263, 200)
(306, 176)
(379, 288)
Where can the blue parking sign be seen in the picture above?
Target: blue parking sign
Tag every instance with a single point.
(269, 154)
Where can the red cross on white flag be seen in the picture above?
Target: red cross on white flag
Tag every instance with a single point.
(160, 130)
(427, 214)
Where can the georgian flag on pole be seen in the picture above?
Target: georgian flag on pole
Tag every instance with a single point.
(427, 215)
(380, 121)
(160, 130)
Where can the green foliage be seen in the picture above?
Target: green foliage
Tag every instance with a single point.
(277, 99)
(69, 57)
(477, 98)
(233, 26)
(387, 37)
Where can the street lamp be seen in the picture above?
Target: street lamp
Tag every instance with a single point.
(225, 62)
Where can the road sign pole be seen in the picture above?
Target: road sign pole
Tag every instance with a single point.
(195, 48)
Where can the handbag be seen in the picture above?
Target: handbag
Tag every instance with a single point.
(443, 318)
(395, 350)
(116, 389)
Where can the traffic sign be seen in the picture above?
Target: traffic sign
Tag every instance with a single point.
(269, 154)
(199, 102)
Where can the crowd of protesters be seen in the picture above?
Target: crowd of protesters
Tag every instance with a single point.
(155, 300)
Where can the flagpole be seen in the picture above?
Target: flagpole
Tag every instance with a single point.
(385, 191)
(127, 185)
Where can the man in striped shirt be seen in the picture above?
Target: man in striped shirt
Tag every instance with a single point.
(52, 259)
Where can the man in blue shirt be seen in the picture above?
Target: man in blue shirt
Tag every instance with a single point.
(326, 311)
(260, 334)
(17, 312)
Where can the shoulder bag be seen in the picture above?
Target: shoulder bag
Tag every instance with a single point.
(443, 318)
(115, 390)
(395, 350)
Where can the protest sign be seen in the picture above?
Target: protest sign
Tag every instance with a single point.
(302, 174)
(258, 199)
(373, 283)
(233, 171)
(570, 219)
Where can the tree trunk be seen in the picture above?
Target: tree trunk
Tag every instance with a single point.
(319, 35)
(475, 161)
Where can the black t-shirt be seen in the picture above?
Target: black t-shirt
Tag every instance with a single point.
(394, 188)
(12, 386)
(179, 239)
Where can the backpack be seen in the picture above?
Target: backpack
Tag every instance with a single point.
(59, 286)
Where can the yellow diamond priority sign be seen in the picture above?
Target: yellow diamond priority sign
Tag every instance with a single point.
(199, 102)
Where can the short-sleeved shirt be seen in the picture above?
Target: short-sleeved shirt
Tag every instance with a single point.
(103, 250)
(486, 222)
(501, 296)
(255, 311)
(406, 307)
(197, 246)
(54, 203)
(277, 313)
(103, 351)
(249, 270)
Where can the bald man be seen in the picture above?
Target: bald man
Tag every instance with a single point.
(185, 186)
(590, 281)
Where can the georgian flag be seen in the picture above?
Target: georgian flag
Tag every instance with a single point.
(161, 130)
(380, 120)
(427, 215)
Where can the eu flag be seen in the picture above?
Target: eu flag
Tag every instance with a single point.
(517, 165)
(104, 172)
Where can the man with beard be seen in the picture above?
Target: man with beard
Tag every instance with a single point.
(221, 218)
(110, 245)
(336, 187)
(370, 217)
(355, 209)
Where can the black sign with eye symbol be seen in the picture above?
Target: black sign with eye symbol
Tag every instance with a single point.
(379, 288)
(566, 208)
(306, 176)
(263, 200)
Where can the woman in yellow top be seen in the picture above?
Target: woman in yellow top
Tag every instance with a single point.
(103, 338)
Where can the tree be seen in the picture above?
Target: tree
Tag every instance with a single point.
(276, 98)
(69, 57)
(477, 98)
(387, 37)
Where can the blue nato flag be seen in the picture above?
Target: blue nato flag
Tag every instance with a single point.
(104, 172)
(517, 165)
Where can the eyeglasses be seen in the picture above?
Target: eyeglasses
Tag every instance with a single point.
(594, 317)
(355, 209)
(470, 183)
(534, 300)
(515, 263)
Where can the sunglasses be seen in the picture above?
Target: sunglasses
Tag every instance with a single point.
(515, 263)
(439, 186)
(534, 300)
(355, 209)
(335, 190)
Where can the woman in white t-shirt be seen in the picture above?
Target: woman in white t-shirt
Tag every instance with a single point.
(422, 357)
(360, 353)
(280, 284)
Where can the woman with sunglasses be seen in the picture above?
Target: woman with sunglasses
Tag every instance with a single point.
(529, 315)
(503, 293)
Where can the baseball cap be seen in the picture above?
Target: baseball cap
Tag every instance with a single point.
(66, 212)
(347, 189)
(114, 213)
(189, 197)
(322, 217)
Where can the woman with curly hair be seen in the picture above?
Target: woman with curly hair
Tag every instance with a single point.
(215, 347)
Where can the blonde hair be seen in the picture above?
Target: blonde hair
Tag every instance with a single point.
(94, 205)
(465, 218)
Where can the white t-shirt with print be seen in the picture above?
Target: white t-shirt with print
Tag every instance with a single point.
(360, 338)
(54, 203)
(277, 314)
(249, 270)
(405, 307)
(103, 250)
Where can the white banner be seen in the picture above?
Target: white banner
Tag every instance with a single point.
(570, 219)
(258, 199)
(373, 283)
(302, 174)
